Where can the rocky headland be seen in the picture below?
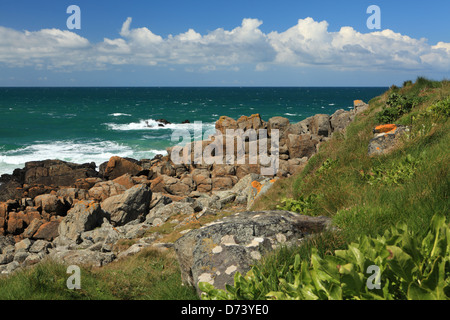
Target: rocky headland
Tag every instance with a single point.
(78, 213)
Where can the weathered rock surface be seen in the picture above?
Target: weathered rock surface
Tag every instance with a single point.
(84, 216)
(82, 257)
(129, 206)
(216, 251)
(386, 138)
(118, 166)
(105, 189)
(57, 172)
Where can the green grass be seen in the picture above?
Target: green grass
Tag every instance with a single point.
(149, 275)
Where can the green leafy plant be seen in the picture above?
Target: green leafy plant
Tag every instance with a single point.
(327, 165)
(440, 109)
(396, 106)
(393, 174)
(303, 205)
(397, 265)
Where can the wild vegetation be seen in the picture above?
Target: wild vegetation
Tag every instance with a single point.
(387, 209)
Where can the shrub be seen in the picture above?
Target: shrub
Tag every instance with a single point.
(396, 106)
(440, 108)
(398, 265)
(303, 205)
(327, 165)
(394, 174)
(407, 83)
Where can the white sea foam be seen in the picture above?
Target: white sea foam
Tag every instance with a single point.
(120, 115)
(151, 124)
(76, 152)
(290, 114)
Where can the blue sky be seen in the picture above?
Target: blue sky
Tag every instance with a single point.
(222, 43)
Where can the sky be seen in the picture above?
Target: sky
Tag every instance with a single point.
(222, 43)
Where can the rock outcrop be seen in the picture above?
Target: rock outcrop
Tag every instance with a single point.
(215, 252)
(75, 214)
(129, 206)
(386, 138)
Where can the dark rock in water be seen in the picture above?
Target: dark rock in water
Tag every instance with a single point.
(186, 121)
(163, 121)
(215, 252)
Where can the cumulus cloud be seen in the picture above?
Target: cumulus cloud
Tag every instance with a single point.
(308, 43)
(52, 47)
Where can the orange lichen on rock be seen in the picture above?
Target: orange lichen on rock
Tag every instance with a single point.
(356, 102)
(257, 186)
(385, 128)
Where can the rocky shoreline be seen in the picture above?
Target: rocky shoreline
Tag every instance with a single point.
(76, 215)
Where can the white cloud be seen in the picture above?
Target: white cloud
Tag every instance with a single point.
(309, 43)
(51, 47)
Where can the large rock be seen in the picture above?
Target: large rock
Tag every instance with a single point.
(118, 166)
(72, 195)
(320, 125)
(301, 145)
(16, 223)
(47, 231)
(129, 206)
(33, 227)
(279, 123)
(341, 119)
(223, 183)
(163, 213)
(6, 241)
(215, 252)
(159, 200)
(202, 179)
(253, 122)
(360, 106)
(225, 123)
(386, 140)
(11, 190)
(57, 172)
(52, 204)
(84, 216)
(82, 257)
(102, 238)
(105, 189)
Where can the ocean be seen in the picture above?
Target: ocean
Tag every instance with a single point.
(93, 124)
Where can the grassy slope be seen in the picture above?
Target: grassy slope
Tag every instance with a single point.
(404, 193)
(356, 207)
(149, 275)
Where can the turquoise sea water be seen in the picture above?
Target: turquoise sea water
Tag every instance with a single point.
(92, 124)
